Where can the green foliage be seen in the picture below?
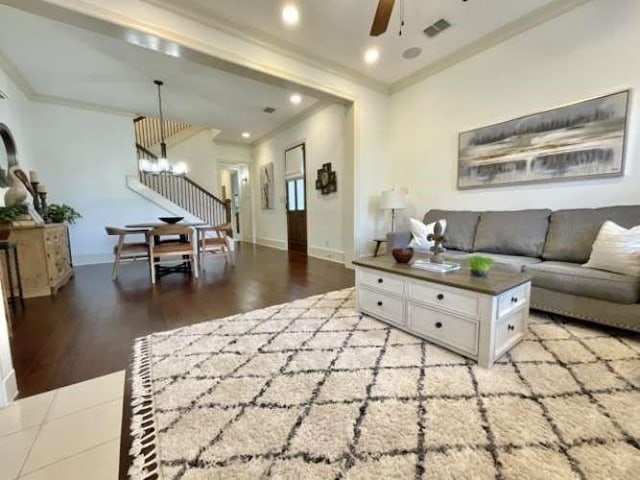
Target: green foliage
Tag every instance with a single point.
(9, 214)
(480, 264)
(63, 213)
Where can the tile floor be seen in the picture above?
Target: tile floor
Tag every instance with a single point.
(65, 433)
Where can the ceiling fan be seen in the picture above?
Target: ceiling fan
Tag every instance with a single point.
(382, 17)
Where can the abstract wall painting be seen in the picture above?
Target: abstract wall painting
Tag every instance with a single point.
(267, 186)
(577, 141)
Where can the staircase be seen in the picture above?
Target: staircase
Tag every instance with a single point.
(178, 189)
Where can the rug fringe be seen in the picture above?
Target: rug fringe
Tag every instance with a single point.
(143, 426)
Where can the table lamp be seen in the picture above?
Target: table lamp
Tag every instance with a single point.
(393, 200)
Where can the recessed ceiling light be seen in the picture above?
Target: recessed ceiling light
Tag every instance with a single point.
(246, 134)
(371, 56)
(295, 99)
(290, 15)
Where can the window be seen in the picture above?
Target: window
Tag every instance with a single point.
(295, 195)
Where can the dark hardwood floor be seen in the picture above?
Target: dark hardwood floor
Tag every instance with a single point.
(88, 328)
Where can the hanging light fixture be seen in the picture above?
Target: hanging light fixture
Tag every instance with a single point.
(161, 164)
(163, 146)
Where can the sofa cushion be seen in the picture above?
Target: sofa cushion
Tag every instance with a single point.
(585, 282)
(572, 232)
(520, 232)
(461, 227)
(510, 263)
(504, 263)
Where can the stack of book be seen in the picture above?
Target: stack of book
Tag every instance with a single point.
(436, 267)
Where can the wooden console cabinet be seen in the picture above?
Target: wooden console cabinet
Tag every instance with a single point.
(45, 261)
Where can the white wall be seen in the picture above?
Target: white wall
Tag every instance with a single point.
(15, 113)
(324, 137)
(202, 155)
(585, 53)
(83, 157)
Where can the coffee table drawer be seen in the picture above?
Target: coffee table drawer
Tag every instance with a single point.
(458, 301)
(509, 301)
(509, 330)
(381, 305)
(381, 281)
(459, 333)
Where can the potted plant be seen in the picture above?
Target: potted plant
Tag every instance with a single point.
(62, 213)
(480, 266)
(7, 216)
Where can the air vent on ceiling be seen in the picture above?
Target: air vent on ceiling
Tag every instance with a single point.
(436, 28)
(3, 96)
(269, 110)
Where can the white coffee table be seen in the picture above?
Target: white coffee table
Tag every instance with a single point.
(480, 318)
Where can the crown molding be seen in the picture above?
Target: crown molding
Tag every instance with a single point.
(16, 77)
(269, 42)
(103, 20)
(308, 113)
(28, 91)
(510, 30)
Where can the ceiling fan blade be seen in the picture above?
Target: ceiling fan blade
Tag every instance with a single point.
(383, 15)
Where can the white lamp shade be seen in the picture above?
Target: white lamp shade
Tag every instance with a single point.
(393, 200)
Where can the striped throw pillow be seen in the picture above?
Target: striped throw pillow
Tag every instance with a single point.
(616, 250)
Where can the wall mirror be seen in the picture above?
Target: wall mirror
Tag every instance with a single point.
(8, 155)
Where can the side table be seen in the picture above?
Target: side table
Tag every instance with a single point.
(379, 241)
(10, 249)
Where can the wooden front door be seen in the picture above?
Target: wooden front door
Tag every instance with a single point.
(296, 199)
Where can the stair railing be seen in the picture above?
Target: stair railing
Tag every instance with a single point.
(189, 196)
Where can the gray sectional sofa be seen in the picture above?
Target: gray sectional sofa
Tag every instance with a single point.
(551, 247)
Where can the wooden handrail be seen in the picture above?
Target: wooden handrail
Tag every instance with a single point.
(148, 153)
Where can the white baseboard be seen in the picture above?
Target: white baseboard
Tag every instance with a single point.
(272, 242)
(8, 389)
(326, 254)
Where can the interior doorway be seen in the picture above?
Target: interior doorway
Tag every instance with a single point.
(296, 191)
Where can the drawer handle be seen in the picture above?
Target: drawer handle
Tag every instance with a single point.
(379, 303)
(514, 299)
(440, 296)
(510, 327)
(438, 324)
(380, 280)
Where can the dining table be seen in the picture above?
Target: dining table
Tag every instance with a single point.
(162, 270)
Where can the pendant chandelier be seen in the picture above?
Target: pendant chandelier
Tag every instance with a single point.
(161, 164)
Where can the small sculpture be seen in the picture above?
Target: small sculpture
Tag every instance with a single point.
(436, 237)
(17, 193)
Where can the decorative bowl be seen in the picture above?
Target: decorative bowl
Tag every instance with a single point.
(170, 220)
(402, 255)
(480, 266)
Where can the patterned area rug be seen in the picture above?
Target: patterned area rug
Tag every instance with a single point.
(313, 390)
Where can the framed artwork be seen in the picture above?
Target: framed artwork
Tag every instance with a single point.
(267, 186)
(326, 181)
(577, 141)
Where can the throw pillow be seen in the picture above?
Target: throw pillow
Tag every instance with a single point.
(420, 232)
(616, 250)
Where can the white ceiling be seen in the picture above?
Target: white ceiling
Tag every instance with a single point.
(337, 31)
(69, 63)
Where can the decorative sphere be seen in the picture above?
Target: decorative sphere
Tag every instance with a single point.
(402, 255)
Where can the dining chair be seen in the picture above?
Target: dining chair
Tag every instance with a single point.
(127, 251)
(221, 244)
(180, 245)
